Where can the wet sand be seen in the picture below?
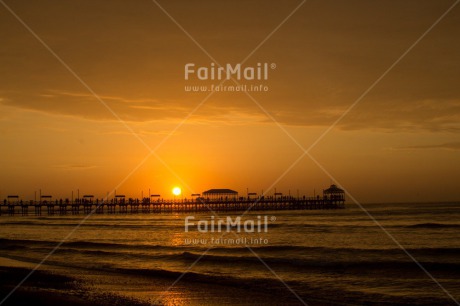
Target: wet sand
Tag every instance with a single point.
(63, 286)
(48, 288)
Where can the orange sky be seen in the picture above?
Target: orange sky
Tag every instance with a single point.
(400, 143)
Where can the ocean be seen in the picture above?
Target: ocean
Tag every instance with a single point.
(324, 257)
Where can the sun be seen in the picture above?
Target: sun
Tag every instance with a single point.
(176, 191)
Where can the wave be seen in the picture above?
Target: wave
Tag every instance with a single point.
(327, 251)
(109, 245)
(107, 223)
(251, 261)
(265, 249)
(164, 273)
(216, 279)
(433, 225)
(12, 243)
(309, 263)
(363, 226)
(96, 225)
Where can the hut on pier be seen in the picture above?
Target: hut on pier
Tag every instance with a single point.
(334, 193)
(153, 197)
(120, 199)
(220, 194)
(12, 200)
(88, 198)
(46, 199)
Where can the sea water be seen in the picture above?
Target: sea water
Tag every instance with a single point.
(394, 253)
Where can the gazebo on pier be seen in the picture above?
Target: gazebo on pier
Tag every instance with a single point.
(334, 193)
(220, 194)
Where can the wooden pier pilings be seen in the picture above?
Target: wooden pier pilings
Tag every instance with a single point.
(134, 206)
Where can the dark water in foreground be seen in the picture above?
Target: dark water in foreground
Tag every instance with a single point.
(331, 256)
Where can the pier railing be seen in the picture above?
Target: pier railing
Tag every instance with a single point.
(124, 206)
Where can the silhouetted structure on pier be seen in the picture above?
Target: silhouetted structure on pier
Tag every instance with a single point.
(220, 194)
(334, 193)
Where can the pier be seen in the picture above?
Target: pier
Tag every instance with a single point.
(218, 200)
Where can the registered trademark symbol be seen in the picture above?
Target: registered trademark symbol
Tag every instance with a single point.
(273, 218)
(273, 66)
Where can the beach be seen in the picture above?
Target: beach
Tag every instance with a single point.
(56, 286)
(44, 287)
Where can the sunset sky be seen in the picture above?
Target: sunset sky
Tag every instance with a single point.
(62, 131)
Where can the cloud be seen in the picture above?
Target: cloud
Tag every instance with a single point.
(87, 106)
(434, 115)
(326, 58)
(443, 146)
(76, 167)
